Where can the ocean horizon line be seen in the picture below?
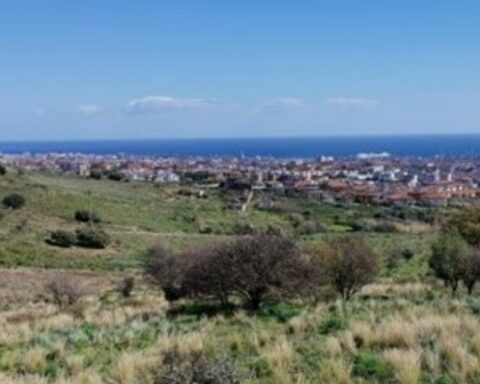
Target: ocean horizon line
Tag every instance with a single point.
(279, 147)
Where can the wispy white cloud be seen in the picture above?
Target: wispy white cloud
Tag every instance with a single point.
(88, 109)
(150, 104)
(284, 104)
(349, 103)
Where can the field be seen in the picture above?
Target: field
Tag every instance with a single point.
(404, 328)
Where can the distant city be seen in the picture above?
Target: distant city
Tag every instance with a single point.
(374, 178)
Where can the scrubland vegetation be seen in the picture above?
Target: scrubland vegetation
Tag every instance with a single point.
(104, 281)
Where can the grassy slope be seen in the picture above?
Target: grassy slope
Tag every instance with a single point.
(398, 330)
(138, 215)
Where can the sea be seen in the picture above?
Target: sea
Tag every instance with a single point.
(305, 147)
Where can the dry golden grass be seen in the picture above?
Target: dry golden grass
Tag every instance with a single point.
(28, 284)
(395, 289)
(335, 371)
(435, 337)
(406, 364)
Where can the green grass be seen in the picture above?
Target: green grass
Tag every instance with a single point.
(284, 342)
(138, 215)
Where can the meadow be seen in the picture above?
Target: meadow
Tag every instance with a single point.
(404, 327)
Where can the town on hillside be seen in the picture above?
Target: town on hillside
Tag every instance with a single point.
(372, 178)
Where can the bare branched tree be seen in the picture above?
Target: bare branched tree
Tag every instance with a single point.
(347, 263)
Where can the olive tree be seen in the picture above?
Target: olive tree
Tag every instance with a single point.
(471, 270)
(450, 253)
(347, 263)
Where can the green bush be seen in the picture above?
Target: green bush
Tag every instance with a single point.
(445, 379)
(62, 238)
(260, 367)
(332, 324)
(92, 238)
(85, 216)
(126, 287)
(369, 366)
(13, 201)
(280, 311)
(115, 176)
(3, 170)
(95, 174)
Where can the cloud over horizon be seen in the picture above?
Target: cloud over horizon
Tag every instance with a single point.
(151, 104)
(352, 102)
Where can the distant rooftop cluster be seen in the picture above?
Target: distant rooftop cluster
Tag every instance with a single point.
(364, 178)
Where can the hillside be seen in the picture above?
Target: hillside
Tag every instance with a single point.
(404, 327)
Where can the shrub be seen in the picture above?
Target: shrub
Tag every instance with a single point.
(471, 270)
(209, 274)
(95, 174)
(332, 324)
(467, 223)
(13, 201)
(397, 255)
(236, 184)
(242, 229)
(62, 238)
(369, 366)
(115, 176)
(3, 170)
(85, 216)
(64, 290)
(309, 227)
(167, 269)
(445, 379)
(262, 265)
(363, 225)
(92, 238)
(345, 262)
(251, 267)
(126, 286)
(281, 311)
(260, 367)
(408, 254)
(448, 258)
(194, 368)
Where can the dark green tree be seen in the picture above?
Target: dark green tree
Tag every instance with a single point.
(450, 253)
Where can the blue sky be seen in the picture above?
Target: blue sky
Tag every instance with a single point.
(102, 69)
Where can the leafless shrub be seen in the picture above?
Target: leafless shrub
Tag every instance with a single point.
(251, 267)
(193, 368)
(263, 265)
(167, 269)
(209, 274)
(65, 291)
(126, 286)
